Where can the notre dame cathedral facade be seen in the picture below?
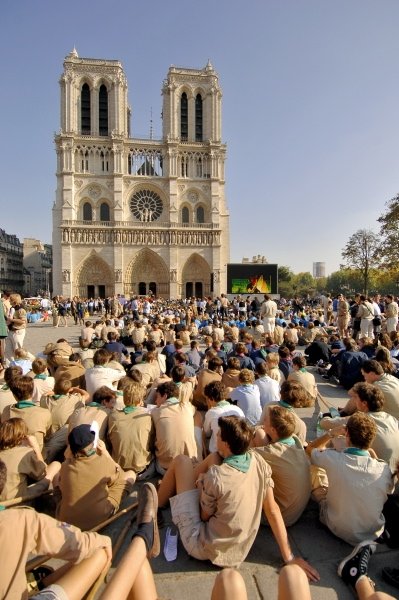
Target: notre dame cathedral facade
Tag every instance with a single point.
(139, 216)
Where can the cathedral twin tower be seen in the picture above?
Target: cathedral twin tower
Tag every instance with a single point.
(138, 216)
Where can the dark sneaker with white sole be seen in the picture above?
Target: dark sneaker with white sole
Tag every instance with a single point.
(356, 564)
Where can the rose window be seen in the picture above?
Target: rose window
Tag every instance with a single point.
(146, 206)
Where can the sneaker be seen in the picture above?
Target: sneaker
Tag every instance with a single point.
(355, 565)
(147, 514)
(170, 546)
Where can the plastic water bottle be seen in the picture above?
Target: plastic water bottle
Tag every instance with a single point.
(319, 430)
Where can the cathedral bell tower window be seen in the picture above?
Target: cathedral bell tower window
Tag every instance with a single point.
(184, 117)
(103, 111)
(85, 112)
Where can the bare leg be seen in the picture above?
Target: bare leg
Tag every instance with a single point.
(182, 468)
(293, 584)
(365, 591)
(229, 585)
(78, 579)
(133, 578)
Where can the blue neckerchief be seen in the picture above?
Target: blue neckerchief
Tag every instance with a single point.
(129, 409)
(172, 401)
(241, 462)
(285, 404)
(25, 404)
(289, 441)
(40, 376)
(356, 451)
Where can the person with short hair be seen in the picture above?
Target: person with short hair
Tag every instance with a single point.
(43, 384)
(210, 503)
(174, 426)
(351, 487)
(37, 419)
(373, 373)
(6, 395)
(230, 376)
(247, 396)
(92, 485)
(101, 374)
(269, 388)
(97, 409)
(131, 432)
(288, 461)
(218, 406)
(300, 374)
(212, 373)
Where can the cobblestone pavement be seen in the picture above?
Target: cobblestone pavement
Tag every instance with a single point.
(189, 578)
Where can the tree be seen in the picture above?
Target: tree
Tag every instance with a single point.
(389, 247)
(362, 252)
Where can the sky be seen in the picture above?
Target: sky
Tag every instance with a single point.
(310, 108)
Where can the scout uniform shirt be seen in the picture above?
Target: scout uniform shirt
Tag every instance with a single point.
(37, 419)
(131, 434)
(25, 531)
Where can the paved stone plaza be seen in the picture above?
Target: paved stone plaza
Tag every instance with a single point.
(189, 578)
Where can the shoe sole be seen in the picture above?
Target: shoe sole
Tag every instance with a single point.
(354, 552)
(156, 545)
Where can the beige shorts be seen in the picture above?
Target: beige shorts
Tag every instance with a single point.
(185, 510)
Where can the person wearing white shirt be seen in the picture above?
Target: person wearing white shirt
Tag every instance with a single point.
(217, 407)
(247, 396)
(101, 374)
(269, 388)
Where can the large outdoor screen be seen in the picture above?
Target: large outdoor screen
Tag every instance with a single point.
(252, 278)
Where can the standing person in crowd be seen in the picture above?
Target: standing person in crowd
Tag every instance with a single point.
(391, 313)
(16, 322)
(268, 313)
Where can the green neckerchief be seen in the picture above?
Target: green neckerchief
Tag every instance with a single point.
(129, 409)
(241, 462)
(56, 396)
(302, 370)
(285, 404)
(40, 376)
(119, 393)
(356, 451)
(5, 387)
(25, 404)
(223, 403)
(96, 404)
(2, 507)
(178, 383)
(289, 441)
(172, 401)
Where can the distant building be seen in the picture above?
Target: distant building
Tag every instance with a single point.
(255, 259)
(319, 269)
(37, 261)
(11, 266)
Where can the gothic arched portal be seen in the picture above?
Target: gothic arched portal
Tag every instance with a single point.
(147, 273)
(94, 278)
(196, 277)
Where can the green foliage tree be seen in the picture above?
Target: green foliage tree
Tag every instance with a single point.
(362, 253)
(389, 231)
